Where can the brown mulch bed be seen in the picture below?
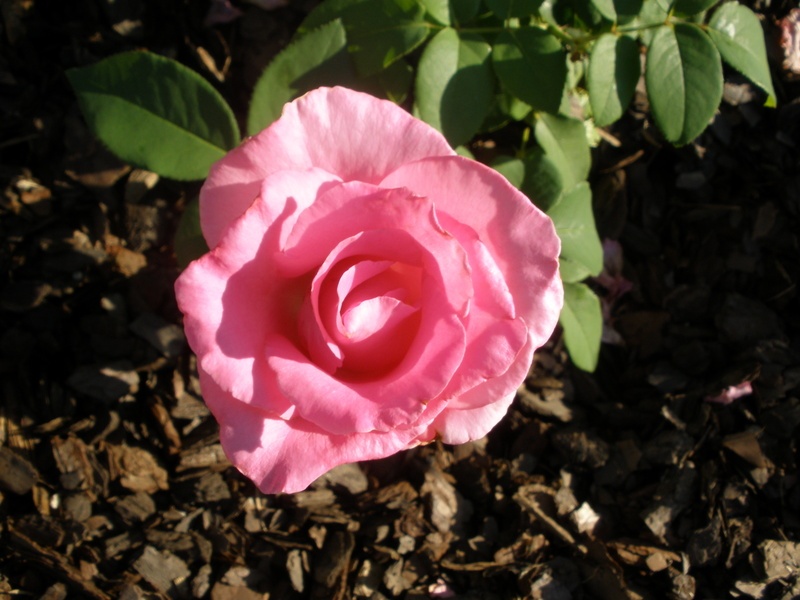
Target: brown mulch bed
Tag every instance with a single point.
(626, 483)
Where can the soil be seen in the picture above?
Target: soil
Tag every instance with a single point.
(670, 472)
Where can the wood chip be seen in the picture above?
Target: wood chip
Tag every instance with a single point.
(17, 475)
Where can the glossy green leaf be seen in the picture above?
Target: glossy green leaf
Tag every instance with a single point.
(606, 8)
(684, 81)
(507, 9)
(532, 65)
(664, 5)
(438, 10)
(511, 168)
(455, 84)
(451, 12)
(582, 322)
(155, 113)
(328, 11)
(512, 106)
(316, 59)
(465, 152)
(189, 242)
(379, 32)
(692, 7)
(737, 33)
(651, 15)
(382, 31)
(581, 250)
(543, 182)
(613, 72)
(564, 142)
(395, 81)
(620, 11)
(628, 10)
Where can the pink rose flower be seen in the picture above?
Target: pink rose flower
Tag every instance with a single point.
(367, 290)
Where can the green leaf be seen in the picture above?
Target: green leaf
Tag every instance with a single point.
(508, 9)
(613, 72)
(512, 106)
(189, 242)
(628, 10)
(382, 31)
(463, 11)
(532, 65)
(619, 11)
(581, 250)
(606, 8)
(684, 81)
(564, 142)
(511, 168)
(737, 33)
(451, 12)
(543, 183)
(316, 59)
(328, 11)
(379, 32)
(155, 113)
(651, 15)
(455, 84)
(395, 81)
(692, 7)
(582, 322)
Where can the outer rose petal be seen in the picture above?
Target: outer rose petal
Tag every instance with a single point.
(458, 425)
(520, 237)
(217, 293)
(349, 134)
(287, 455)
(475, 412)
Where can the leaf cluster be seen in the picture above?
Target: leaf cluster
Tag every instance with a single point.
(466, 67)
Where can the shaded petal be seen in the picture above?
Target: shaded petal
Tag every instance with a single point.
(288, 455)
(232, 297)
(494, 336)
(473, 414)
(351, 135)
(461, 425)
(521, 238)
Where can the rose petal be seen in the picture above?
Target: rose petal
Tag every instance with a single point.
(465, 424)
(344, 405)
(231, 297)
(350, 134)
(288, 455)
(458, 425)
(520, 237)
(494, 336)
(347, 209)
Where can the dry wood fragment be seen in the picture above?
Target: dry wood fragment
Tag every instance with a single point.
(163, 570)
(78, 466)
(448, 508)
(220, 591)
(135, 508)
(333, 565)
(294, 565)
(368, 580)
(17, 475)
(54, 562)
(136, 469)
(778, 559)
(745, 445)
(201, 457)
